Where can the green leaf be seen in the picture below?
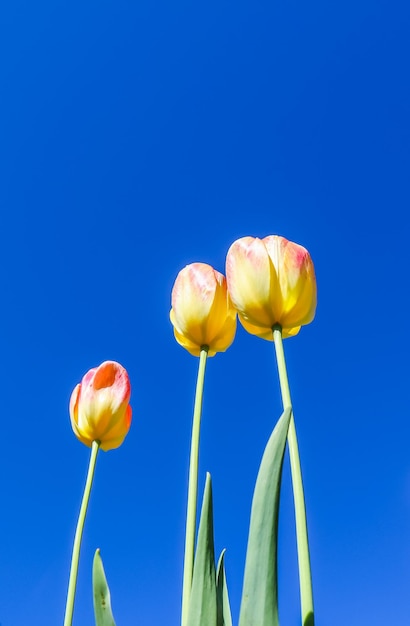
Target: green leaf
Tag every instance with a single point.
(202, 609)
(259, 605)
(223, 606)
(102, 599)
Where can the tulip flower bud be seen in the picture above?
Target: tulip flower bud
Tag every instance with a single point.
(271, 281)
(99, 406)
(202, 313)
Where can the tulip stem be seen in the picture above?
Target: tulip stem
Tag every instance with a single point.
(305, 578)
(193, 488)
(78, 535)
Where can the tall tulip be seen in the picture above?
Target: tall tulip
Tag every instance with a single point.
(202, 313)
(271, 282)
(204, 323)
(101, 417)
(99, 406)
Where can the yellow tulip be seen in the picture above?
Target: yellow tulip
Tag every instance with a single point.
(202, 313)
(271, 281)
(99, 406)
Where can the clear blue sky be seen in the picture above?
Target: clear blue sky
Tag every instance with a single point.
(136, 137)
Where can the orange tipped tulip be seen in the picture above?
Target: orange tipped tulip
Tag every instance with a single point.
(99, 406)
(271, 281)
(202, 313)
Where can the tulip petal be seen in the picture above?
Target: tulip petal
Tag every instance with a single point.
(115, 435)
(193, 348)
(298, 285)
(105, 375)
(259, 331)
(225, 337)
(251, 280)
(192, 300)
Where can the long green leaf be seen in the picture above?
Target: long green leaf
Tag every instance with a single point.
(101, 593)
(259, 605)
(224, 609)
(202, 609)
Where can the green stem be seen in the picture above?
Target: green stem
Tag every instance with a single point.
(193, 488)
(305, 578)
(68, 619)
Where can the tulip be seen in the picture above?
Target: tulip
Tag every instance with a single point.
(271, 282)
(202, 313)
(99, 406)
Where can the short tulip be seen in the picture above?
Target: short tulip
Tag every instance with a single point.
(99, 406)
(271, 281)
(202, 313)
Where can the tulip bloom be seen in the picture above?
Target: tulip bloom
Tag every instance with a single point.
(99, 406)
(202, 313)
(271, 281)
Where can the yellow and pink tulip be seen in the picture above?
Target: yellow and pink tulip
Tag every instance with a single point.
(202, 313)
(99, 406)
(271, 282)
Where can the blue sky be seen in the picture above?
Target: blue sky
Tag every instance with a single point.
(137, 138)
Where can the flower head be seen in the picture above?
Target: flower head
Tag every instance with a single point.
(99, 406)
(271, 281)
(202, 313)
